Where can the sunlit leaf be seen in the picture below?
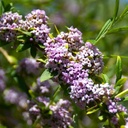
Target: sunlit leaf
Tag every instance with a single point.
(56, 29)
(104, 30)
(46, 75)
(92, 111)
(105, 78)
(118, 68)
(122, 94)
(119, 84)
(91, 41)
(125, 99)
(22, 47)
(24, 32)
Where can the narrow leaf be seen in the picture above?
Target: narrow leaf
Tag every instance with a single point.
(25, 32)
(104, 29)
(124, 13)
(93, 111)
(22, 47)
(91, 41)
(46, 75)
(115, 30)
(116, 9)
(118, 68)
(119, 84)
(41, 60)
(126, 99)
(105, 78)
(122, 94)
(57, 29)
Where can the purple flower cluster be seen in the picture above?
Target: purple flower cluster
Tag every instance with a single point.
(28, 66)
(86, 93)
(60, 116)
(9, 22)
(2, 80)
(35, 22)
(74, 63)
(91, 58)
(70, 58)
(14, 96)
(114, 107)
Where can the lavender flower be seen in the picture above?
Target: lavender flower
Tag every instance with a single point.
(85, 93)
(14, 96)
(73, 38)
(2, 80)
(9, 22)
(60, 50)
(58, 55)
(114, 120)
(102, 90)
(51, 114)
(61, 117)
(36, 18)
(91, 58)
(40, 34)
(114, 107)
(81, 92)
(36, 23)
(28, 66)
(73, 72)
(43, 87)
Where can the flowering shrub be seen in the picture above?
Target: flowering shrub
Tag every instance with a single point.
(69, 65)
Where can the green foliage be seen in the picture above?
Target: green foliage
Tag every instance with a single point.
(118, 68)
(46, 75)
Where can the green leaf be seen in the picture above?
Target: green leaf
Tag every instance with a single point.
(57, 30)
(119, 84)
(101, 118)
(104, 30)
(24, 32)
(125, 99)
(92, 111)
(124, 13)
(9, 7)
(91, 41)
(22, 47)
(118, 68)
(1, 7)
(121, 118)
(33, 51)
(115, 30)
(2, 126)
(105, 78)
(46, 75)
(116, 9)
(122, 94)
(51, 35)
(42, 61)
